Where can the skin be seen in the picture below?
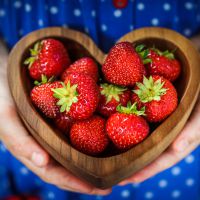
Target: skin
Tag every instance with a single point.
(187, 141)
(24, 148)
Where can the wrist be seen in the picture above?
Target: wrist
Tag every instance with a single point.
(196, 41)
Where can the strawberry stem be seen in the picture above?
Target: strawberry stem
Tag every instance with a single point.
(112, 91)
(131, 109)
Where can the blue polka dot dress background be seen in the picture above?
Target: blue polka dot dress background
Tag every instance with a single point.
(105, 23)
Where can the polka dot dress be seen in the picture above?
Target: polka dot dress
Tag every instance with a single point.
(179, 182)
(105, 21)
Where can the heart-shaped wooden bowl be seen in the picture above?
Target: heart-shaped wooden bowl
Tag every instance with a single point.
(105, 171)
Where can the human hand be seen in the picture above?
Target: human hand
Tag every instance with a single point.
(196, 41)
(186, 142)
(26, 149)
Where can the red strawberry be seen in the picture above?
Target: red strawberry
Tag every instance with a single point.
(158, 95)
(79, 96)
(13, 198)
(126, 128)
(123, 66)
(160, 63)
(84, 65)
(163, 64)
(89, 136)
(63, 122)
(48, 57)
(42, 98)
(21, 198)
(111, 96)
(33, 198)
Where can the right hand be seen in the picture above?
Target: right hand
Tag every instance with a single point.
(22, 145)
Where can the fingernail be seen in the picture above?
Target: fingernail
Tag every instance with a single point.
(37, 159)
(136, 179)
(101, 192)
(182, 145)
(122, 183)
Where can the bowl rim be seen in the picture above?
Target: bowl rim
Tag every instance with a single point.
(155, 142)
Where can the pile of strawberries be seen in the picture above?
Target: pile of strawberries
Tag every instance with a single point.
(115, 110)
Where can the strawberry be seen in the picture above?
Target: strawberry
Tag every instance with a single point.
(160, 63)
(13, 198)
(123, 66)
(21, 198)
(42, 98)
(32, 198)
(84, 65)
(48, 57)
(63, 122)
(158, 95)
(111, 96)
(89, 136)
(79, 96)
(126, 128)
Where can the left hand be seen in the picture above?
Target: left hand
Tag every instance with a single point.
(186, 142)
(24, 147)
(196, 41)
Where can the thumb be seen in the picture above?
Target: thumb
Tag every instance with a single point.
(12, 132)
(190, 135)
(18, 141)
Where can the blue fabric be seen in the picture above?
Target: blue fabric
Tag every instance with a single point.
(99, 18)
(105, 24)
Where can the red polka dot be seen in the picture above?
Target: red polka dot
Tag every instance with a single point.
(120, 3)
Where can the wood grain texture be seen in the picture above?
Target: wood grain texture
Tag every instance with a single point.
(105, 172)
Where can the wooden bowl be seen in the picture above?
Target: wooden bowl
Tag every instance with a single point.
(105, 171)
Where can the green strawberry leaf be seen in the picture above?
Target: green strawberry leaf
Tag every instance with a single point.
(34, 54)
(44, 80)
(166, 53)
(66, 95)
(139, 48)
(150, 90)
(131, 109)
(147, 60)
(112, 92)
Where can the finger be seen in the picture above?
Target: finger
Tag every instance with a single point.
(165, 161)
(93, 192)
(196, 42)
(191, 132)
(17, 139)
(71, 189)
(57, 175)
(4, 56)
(22, 145)
(5, 96)
(186, 142)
